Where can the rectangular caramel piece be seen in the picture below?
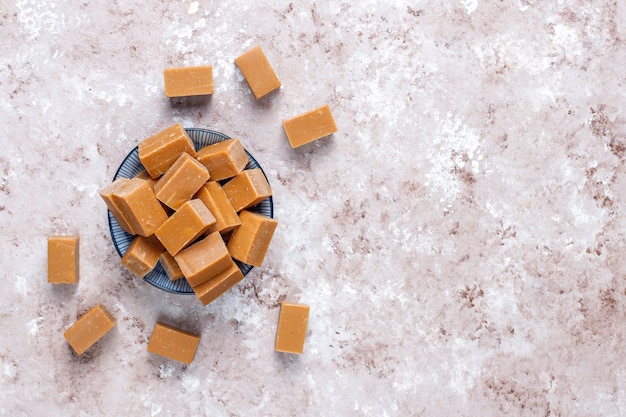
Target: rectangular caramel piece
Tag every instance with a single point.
(258, 72)
(224, 159)
(250, 241)
(188, 81)
(173, 343)
(181, 181)
(142, 255)
(170, 266)
(157, 153)
(63, 259)
(89, 329)
(292, 325)
(219, 284)
(247, 189)
(107, 196)
(184, 226)
(216, 200)
(310, 126)
(138, 204)
(204, 259)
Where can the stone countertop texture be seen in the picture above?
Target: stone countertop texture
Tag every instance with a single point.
(460, 239)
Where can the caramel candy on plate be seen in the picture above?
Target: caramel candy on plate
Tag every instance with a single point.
(250, 241)
(292, 325)
(214, 197)
(173, 343)
(107, 196)
(258, 72)
(310, 126)
(170, 266)
(63, 259)
(142, 255)
(223, 159)
(204, 259)
(184, 226)
(138, 204)
(247, 189)
(219, 284)
(89, 329)
(181, 181)
(188, 81)
(159, 152)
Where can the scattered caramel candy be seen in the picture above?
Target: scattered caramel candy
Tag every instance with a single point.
(107, 196)
(181, 181)
(247, 189)
(310, 126)
(188, 81)
(142, 255)
(173, 343)
(250, 241)
(258, 72)
(204, 259)
(138, 204)
(223, 159)
(63, 259)
(214, 197)
(219, 284)
(89, 329)
(292, 325)
(159, 152)
(170, 266)
(190, 221)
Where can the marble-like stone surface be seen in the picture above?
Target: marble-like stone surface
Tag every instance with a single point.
(460, 240)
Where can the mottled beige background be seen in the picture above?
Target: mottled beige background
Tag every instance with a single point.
(460, 240)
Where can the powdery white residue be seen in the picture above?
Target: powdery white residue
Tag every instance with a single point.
(9, 370)
(34, 325)
(190, 383)
(165, 371)
(193, 7)
(21, 286)
(470, 5)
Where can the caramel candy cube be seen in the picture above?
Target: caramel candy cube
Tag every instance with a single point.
(219, 284)
(247, 189)
(63, 259)
(310, 126)
(159, 152)
(214, 197)
(258, 72)
(188, 81)
(250, 241)
(184, 226)
(223, 159)
(170, 266)
(142, 255)
(173, 343)
(107, 196)
(292, 324)
(181, 181)
(89, 329)
(137, 202)
(204, 259)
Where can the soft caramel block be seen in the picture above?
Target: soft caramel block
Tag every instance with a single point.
(204, 259)
(258, 72)
(310, 126)
(214, 197)
(223, 159)
(219, 284)
(188, 81)
(190, 221)
(173, 343)
(107, 196)
(159, 152)
(89, 329)
(292, 324)
(170, 266)
(142, 255)
(247, 189)
(181, 181)
(250, 241)
(63, 259)
(138, 204)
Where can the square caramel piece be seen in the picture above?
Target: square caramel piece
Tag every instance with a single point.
(138, 204)
(310, 126)
(187, 224)
(223, 159)
(170, 266)
(173, 343)
(247, 189)
(107, 195)
(63, 259)
(219, 284)
(142, 255)
(250, 241)
(214, 197)
(258, 72)
(292, 325)
(204, 259)
(181, 181)
(90, 328)
(157, 153)
(188, 81)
